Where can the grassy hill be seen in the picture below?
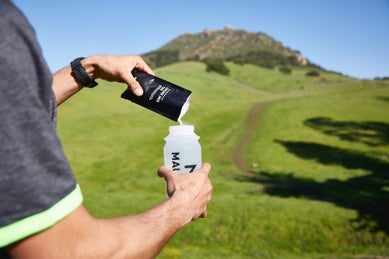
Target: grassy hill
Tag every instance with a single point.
(300, 164)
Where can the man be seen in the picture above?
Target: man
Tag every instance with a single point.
(41, 210)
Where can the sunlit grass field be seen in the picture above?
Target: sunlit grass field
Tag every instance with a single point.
(317, 160)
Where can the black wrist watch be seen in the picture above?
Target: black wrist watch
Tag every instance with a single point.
(80, 74)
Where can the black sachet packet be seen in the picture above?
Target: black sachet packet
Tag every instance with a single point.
(160, 96)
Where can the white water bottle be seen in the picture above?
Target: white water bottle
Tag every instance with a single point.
(182, 151)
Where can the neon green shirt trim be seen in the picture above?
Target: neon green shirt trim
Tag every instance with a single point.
(40, 221)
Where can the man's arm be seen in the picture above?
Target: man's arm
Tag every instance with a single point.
(107, 67)
(80, 235)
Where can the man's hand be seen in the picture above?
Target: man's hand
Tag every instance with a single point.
(108, 67)
(195, 188)
(117, 68)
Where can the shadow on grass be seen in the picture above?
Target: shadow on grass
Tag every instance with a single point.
(383, 98)
(368, 132)
(367, 194)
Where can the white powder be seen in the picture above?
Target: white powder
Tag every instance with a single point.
(184, 109)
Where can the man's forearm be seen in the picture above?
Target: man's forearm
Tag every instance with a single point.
(144, 235)
(82, 236)
(64, 85)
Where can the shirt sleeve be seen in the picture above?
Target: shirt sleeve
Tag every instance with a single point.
(37, 186)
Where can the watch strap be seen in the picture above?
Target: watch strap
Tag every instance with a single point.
(80, 74)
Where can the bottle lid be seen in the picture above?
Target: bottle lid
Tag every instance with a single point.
(181, 129)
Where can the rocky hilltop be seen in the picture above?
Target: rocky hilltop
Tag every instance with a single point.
(226, 45)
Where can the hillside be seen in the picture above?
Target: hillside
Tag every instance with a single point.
(227, 45)
(299, 164)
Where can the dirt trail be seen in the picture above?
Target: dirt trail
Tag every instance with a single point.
(237, 153)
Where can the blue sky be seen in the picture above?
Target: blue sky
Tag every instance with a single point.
(347, 36)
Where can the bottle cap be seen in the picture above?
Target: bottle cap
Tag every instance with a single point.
(181, 129)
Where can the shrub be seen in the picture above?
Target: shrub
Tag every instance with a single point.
(285, 70)
(262, 58)
(217, 66)
(313, 73)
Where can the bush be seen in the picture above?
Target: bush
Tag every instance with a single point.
(285, 70)
(313, 73)
(217, 66)
(266, 59)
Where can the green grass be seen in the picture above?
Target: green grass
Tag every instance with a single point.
(317, 185)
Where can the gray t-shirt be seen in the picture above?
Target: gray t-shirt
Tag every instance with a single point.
(37, 187)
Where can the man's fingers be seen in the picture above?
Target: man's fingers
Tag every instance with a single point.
(136, 88)
(134, 85)
(131, 81)
(142, 65)
(164, 172)
(206, 168)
